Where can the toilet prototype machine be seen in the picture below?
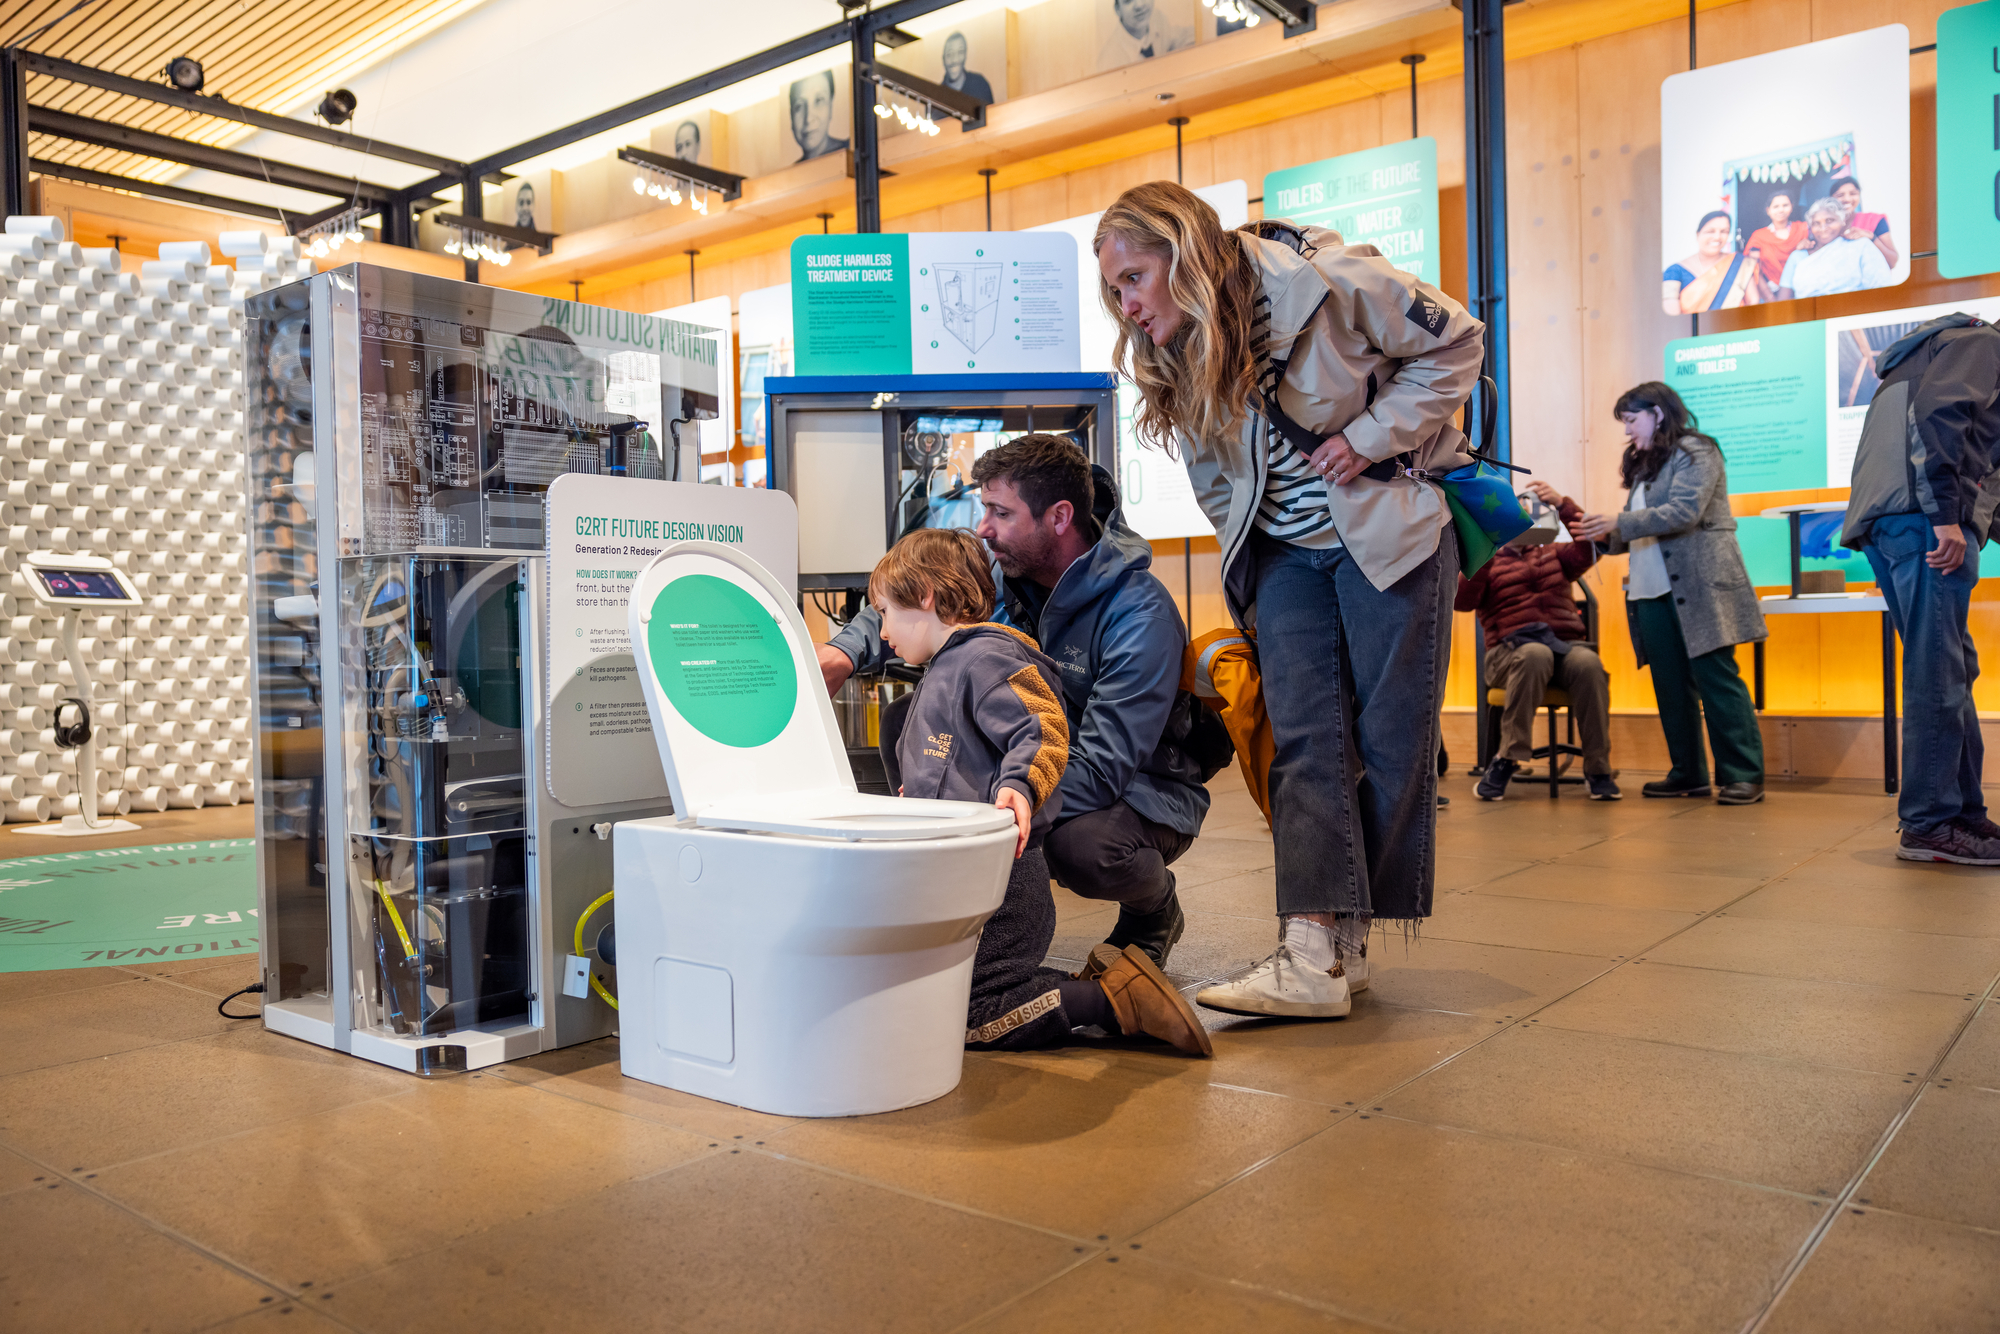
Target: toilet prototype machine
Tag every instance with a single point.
(786, 942)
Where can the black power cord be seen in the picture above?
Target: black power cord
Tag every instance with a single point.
(255, 988)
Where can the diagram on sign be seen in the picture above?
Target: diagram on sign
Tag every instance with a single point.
(969, 299)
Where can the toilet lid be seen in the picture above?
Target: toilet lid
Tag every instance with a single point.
(740, 712)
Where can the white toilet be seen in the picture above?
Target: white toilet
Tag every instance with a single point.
(785, 942)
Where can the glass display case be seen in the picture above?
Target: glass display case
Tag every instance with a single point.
(417, 877)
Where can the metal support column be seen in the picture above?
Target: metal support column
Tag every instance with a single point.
(867, 154)
(473, 206)
(1486, 197)
(14, 132)
(398, 228)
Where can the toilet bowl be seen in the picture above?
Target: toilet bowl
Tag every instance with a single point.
(785, 942)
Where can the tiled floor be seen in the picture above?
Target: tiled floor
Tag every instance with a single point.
(1652, 1066)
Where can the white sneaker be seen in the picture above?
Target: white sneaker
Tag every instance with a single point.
(1281, 986)
(1356, 968)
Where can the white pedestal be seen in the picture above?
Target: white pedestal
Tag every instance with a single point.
(72, 826)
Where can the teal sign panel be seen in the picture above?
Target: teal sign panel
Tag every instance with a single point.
(1968, 140)
(1762, 394)
(1386, 197)
(851, 305)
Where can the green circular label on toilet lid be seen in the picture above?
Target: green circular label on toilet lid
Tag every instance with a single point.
(722, 660)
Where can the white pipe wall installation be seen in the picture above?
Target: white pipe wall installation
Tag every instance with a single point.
(123, 424)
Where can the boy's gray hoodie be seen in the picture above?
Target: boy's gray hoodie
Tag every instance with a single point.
(987, 716)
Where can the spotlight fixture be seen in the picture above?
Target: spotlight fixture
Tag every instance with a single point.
(335, 232)
(184, 73)
(494, 242)
(1233, 11)
(478, 245)
(673, 180)
(337, 107)
(934, 98)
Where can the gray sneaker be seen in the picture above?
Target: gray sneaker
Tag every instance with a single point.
(1950, 842)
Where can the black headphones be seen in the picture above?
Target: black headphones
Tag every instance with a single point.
(77, 733)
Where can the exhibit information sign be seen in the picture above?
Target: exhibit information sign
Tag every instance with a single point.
(1968, 140)
(1749, 147)
(602, 532)
(1786, 403)
(1762, 394)
(935, 303)
(1386, 197)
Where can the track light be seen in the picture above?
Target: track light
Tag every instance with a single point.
(337, 106)
(184, 73)
(477, 245)
(1233, 11)
(924, 124)
(331, 235)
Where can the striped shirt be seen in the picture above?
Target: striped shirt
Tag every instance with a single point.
(1293, 507)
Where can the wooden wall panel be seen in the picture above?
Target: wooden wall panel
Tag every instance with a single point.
(1545, 280)
(1581, 331)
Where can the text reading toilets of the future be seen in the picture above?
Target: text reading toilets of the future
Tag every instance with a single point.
(602, 532)
(935, 303)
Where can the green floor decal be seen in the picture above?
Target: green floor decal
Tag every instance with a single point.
(128, 905)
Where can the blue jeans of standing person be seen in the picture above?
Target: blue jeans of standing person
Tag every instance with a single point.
(1352, 680)
(1942, 751)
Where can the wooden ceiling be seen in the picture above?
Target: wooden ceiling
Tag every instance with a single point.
(265, 54)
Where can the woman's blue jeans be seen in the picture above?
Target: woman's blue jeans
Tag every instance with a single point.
(1942, 750)
(1353, 677)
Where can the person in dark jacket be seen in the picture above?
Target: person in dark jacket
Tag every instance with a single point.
(1527, 606)
(1075, 578)
(985, 724)
(1925, 487)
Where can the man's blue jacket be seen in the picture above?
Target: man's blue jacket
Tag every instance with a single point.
(1117, 641)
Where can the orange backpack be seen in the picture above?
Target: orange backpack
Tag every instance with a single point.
(1220, 670)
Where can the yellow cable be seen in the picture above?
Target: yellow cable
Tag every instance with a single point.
(595, 985)
(382, 888)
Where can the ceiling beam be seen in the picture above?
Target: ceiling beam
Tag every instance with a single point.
(84, 175)
(226, 110)
(763, 62)
(105, 134)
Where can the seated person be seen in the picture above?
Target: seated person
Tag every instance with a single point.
(1526, 606)
(987, 724)
(1831, 261)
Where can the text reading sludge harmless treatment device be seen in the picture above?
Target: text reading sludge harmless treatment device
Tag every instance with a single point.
(420, 880)
(785, 941)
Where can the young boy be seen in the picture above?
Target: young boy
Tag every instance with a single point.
(986, 724)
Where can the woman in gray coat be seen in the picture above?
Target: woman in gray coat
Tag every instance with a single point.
(1687, 596)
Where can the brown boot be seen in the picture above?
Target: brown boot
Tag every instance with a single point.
(1102, 957)
(1146, 1002)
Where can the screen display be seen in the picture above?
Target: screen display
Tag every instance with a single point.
(82, 584)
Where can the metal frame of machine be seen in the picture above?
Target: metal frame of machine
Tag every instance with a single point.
(418, 879)
(1044, 402)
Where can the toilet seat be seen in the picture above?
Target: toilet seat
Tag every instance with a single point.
(745, 728)
(857, 817)
(785, 941)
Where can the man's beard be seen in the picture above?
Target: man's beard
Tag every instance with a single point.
(1022, 558)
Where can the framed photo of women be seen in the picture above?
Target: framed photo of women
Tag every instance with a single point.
(1786, 175)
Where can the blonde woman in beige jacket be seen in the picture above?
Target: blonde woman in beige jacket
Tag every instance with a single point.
(1341, 559)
